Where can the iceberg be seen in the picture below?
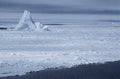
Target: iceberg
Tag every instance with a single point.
(45, 28)
(26, 23)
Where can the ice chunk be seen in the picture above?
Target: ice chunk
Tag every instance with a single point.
(45, 28)
(37, 24)
(40, 26)
(26, 22)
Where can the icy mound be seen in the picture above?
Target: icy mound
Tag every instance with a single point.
(26, 23)
(40, 26)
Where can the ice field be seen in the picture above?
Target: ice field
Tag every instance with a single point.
(72, 40)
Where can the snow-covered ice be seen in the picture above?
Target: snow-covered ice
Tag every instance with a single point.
(62, 46)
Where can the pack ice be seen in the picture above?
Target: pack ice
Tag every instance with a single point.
(63, 46)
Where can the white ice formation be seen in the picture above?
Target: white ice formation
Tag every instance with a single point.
(26, 23)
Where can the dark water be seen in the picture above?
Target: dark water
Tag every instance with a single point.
(47, 18)
(64, 22)
(109, 20)
(109, 70)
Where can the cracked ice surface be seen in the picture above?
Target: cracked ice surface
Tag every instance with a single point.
(63, 46)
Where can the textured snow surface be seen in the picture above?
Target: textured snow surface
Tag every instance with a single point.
(63, 46)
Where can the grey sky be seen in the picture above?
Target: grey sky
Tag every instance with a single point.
(61, 6)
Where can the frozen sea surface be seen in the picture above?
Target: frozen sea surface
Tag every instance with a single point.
(72, 40)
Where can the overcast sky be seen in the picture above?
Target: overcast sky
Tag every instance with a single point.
(62, 6)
